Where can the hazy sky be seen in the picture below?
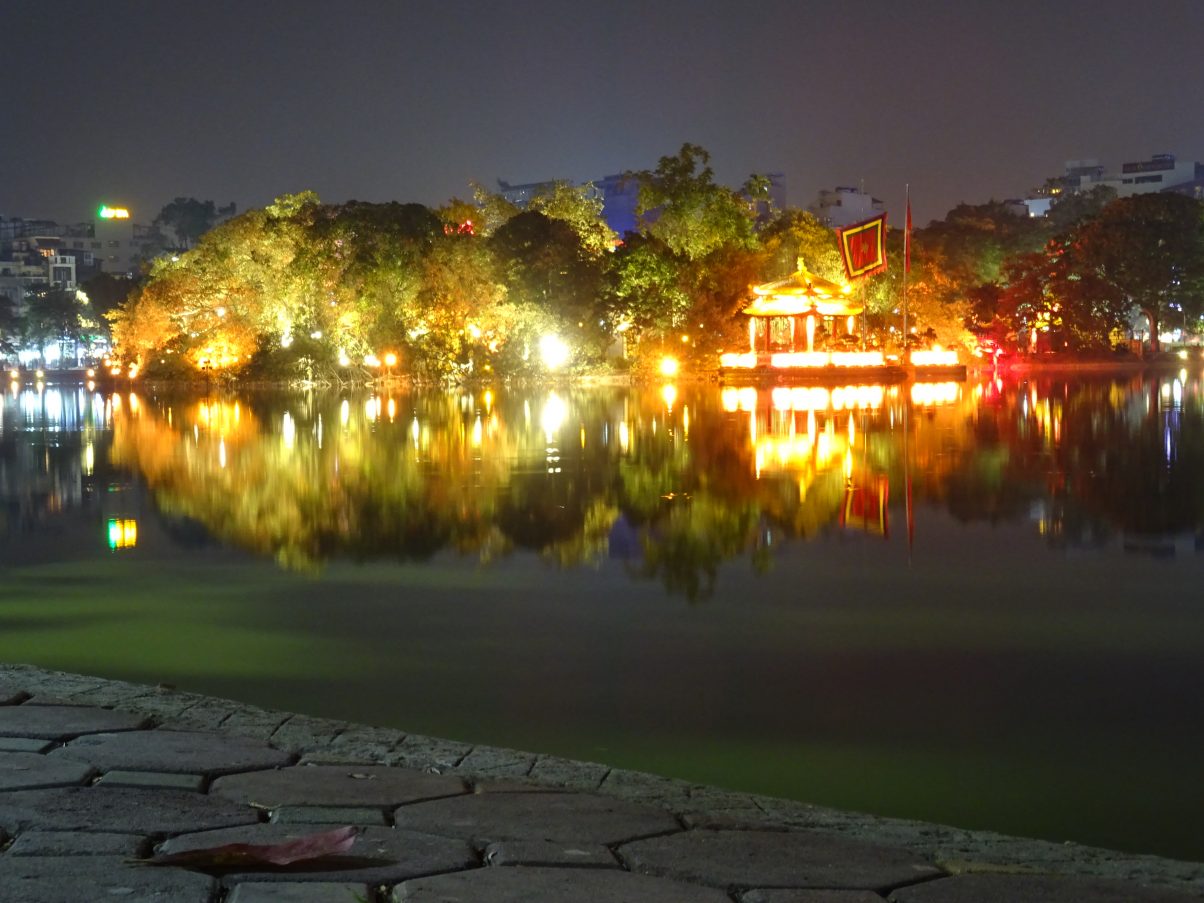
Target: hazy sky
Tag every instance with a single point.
(139, 102)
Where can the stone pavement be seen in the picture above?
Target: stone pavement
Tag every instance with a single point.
(97, 775)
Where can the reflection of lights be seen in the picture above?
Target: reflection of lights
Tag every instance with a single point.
(553, 351)
(669, 395)
(123, 533)
(624, 437)
(477, 432)
(89, 459)
(415, 431)
(344, 412)
(669, 366)
(371, 409)
(685, 420)
(552, 416)
(221, 453)
(929, 394)
(391, 409)
(487, 398)
(734, 399)
(288, 431)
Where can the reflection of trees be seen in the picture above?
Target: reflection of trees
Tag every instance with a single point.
(306, 478)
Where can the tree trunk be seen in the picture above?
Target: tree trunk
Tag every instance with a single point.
(1151, 316)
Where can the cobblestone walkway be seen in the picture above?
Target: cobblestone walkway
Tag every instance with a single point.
(97, 775)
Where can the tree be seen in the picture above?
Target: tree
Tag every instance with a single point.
(188, 218)
(580, 208)
(1150, 248)
(681, 205)
(9, 324)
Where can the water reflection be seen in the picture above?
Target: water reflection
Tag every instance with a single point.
(671, 479)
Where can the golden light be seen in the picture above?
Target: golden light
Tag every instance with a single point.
(552, 416)
(344, 360)
(15, 374)
(39, 374)
(390, 359)
(669, 395)
(937, 357)
(932, 394)
(91, 373)
(553, 351)
(669, 366)
(733, 361)
(371, 360)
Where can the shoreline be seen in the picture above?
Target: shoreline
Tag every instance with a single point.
(319, 741)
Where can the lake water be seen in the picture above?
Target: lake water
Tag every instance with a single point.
(979, 604)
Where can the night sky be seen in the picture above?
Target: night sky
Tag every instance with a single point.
(136, 103)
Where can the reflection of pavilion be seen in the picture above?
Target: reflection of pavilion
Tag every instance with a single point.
(784, 320)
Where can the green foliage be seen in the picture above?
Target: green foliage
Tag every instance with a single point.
(580, 208)
(681, 205)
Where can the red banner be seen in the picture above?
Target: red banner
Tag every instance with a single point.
(863, 247)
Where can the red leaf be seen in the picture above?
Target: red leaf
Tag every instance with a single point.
(300, 849)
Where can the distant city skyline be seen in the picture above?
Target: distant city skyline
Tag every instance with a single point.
(135, 104)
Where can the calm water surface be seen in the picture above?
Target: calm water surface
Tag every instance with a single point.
(978, 604)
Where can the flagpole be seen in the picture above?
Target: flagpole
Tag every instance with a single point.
(906, 270)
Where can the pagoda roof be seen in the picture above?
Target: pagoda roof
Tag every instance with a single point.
(803, 292)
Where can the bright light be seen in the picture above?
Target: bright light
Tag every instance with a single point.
(107, 212)
(669, 366)
(742, 361)
(669, 395)
(123, 533)
(552, 417)
(15, 374)
(934, 358)
(220, 311)
(286, 340)
(390, 359)
(553, 351)
(371, 360)
(344, 360)
(91, 373)
(39, 374)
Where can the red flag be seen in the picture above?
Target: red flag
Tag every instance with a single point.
(863, 247)
(907, 238)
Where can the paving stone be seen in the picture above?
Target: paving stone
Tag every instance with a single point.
(302, 733)
(567, 773)
(336, 785)
(78, 843)
(1036, 889)
(573, 817)
(775, 860)
(153, 780)
(548, 853)
(510, 785)
(249, 721)
(810, 896)
(490, 760)
(119, 810)
(29, 771)
(199, 715)
(547, 885)
(174, 752)
(636, 785)
(417, 751)
(61, 722)
(298, 892)
(11, 694)
(74, 879)
(24, 744)
(328, 815)
(379, 856)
